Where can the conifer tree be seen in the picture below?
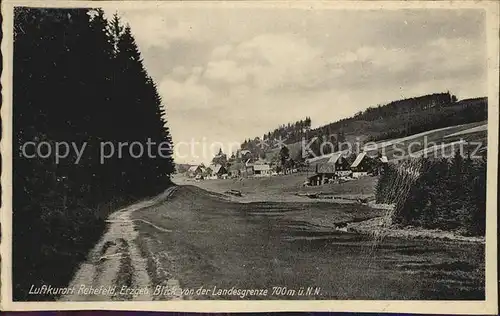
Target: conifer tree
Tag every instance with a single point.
(78, 79)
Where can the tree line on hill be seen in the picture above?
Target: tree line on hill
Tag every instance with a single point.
(284, 134)
(448, 194)
(291, 131)
(408, 105)
(462, 112)
(78, 78)
(395, 119)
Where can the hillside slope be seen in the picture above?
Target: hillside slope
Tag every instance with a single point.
(469, 112)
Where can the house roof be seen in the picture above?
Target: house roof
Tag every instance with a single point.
(261, 167)
(358, 160)
(215, 168)
(319, 158)
(193, 168)
(327, 156)
(335, 157)
(384, 159)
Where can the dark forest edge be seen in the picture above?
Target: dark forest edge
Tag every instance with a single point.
(78, 78)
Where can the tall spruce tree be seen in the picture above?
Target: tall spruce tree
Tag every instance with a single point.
(143, 118)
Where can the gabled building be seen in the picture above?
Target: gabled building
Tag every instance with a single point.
(340, 163)
(314, 163)
(362, 165)
(194, 171)
(328, 167)
(336, 166)
(217, 171)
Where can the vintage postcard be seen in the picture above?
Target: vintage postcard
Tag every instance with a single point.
(250, 156)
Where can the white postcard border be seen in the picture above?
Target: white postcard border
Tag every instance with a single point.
(489, 306)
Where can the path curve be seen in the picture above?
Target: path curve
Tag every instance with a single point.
(115, 263)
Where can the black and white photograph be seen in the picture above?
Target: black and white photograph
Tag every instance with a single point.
(248, 152)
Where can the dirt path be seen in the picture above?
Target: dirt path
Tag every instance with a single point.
(115, 268)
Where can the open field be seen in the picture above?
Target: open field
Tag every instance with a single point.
(479, 128)
(196, 239)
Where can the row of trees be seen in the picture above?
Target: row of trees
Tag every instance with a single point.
(444, 194)
(78, 79)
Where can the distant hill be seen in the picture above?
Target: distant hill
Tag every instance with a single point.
(394, 120)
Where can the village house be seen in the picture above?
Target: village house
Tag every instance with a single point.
(329, 167)
(217, 171)
(362, 165)
(261, 170)
(341, 163)
(194, 171)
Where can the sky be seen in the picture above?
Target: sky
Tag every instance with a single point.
(228, 74)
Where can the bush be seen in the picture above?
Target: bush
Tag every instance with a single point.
(447, 194)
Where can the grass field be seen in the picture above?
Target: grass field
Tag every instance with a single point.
(207, 241)
(479, 128)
